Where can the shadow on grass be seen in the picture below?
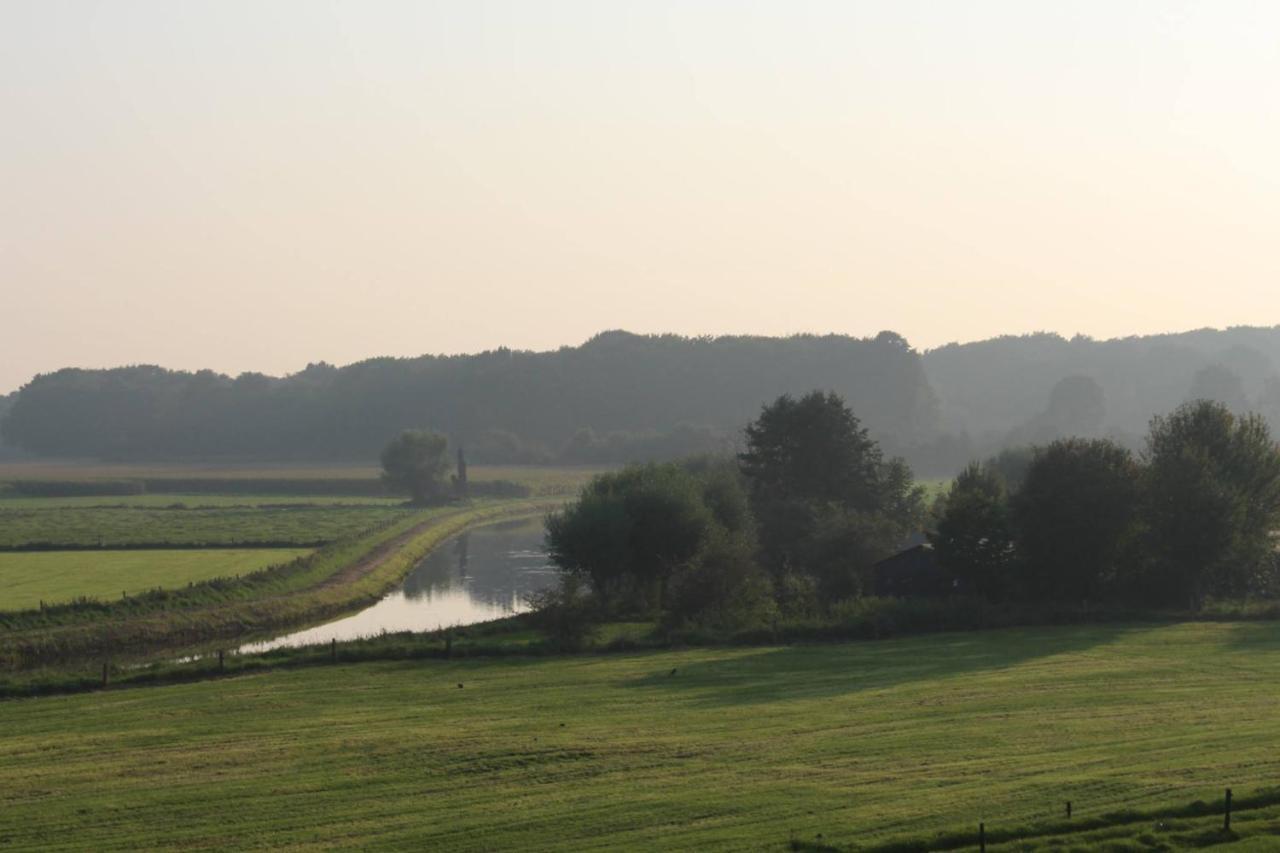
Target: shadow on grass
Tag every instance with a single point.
(1254, 637)
(821, 670)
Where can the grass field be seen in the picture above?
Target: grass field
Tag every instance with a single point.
(180, 501)
(542, 480)
(749, 748)
(26, 579)
(133, 526)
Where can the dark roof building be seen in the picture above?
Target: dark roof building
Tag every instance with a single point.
(913, 573)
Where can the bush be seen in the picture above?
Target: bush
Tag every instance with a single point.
(566, 614)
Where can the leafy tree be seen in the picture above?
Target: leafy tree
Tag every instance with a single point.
(723, 588)
(825, 501)
(415, 462)
(629, 530)
(973, 539)
(1212, 501)
(1074, 515)
(813, 449)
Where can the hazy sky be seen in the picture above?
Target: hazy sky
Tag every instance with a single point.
(256, 185)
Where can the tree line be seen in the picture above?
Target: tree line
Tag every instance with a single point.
(794, 520)
(794, 526)
(622, 397)
(1194, 515)
(618, 397)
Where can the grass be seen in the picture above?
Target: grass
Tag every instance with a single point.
(827, 746)
(133, 526)
(186, 501)
(311, 589)
(28, 579)
(541, 479)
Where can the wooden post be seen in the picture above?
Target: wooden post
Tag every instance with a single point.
(104, 673)
(1226, 814)
(222, 663)
(333, 650)
(982, 837)
(1068, 810)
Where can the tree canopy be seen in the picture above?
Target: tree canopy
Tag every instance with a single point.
(416, 461)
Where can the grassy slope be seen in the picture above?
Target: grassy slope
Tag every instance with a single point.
(26, 579)
(740, 748)
(314, 589)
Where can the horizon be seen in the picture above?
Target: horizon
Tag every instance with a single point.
(920, 349)
(394, 178)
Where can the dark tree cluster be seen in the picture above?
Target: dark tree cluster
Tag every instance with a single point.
(619, 397)
(797, 519)
(1193, 516)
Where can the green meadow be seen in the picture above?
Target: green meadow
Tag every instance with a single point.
(124, 526)
(56, 577)
(839, 746)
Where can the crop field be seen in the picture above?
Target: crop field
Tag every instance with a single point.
(209, 526)
(54, 577)
(824, 746)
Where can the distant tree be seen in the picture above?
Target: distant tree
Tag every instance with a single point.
(1269, 403)
(973, 539)
(460, 474)
(1076, 408)
(1212, 501)
(1219, 384)
(415, 462)
(1074, 515)
(1010, 466)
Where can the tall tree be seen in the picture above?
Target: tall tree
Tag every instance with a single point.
(415, 462)
(825, 501)
(973, 539)
(1074, 515)
(1212, 501)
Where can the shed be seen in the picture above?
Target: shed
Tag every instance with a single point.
(912, 573)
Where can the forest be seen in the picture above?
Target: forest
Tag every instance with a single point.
(622, 397)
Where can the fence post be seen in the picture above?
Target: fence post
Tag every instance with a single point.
(1068, 810)
(1226, 814)
(222, 663)
(333, 650)
(104, 673)
(982, 837)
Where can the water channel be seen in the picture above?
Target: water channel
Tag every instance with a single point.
(482, 574)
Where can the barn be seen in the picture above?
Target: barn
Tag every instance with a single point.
(912, 573)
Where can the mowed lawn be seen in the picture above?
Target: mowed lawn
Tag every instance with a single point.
(54, 577)
(706, 749)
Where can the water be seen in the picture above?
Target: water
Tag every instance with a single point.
(476, 576)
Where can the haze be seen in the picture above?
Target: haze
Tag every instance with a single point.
(254, 186)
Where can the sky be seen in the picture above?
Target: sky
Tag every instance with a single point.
(258, 185)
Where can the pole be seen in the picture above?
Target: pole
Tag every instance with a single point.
(1226, 814)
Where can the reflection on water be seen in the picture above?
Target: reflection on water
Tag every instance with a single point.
(483, 574)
